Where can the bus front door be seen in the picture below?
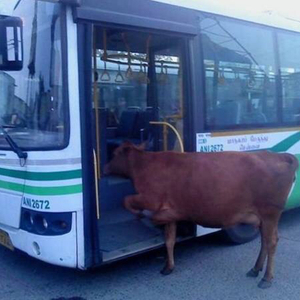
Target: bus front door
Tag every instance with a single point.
(138, 97)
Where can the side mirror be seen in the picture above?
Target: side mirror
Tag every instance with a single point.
(11, 45)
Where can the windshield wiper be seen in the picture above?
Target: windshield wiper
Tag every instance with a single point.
(14, 147)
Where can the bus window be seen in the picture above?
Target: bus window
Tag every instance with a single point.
(239, 74)
(289, 58)
(169, 94)
(33, 104)
(138, 81)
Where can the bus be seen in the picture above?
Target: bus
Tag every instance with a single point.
(79, 77)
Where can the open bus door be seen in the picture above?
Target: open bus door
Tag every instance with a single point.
(138, 97)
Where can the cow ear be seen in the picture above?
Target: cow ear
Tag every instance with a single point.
(127, 146)
(143, 146)
(123, 148)
(126, 149)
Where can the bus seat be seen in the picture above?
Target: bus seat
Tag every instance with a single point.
(127, 123)
(255, 117)
(134, 126)
(142, 128)
(125, 130)
(227, 113)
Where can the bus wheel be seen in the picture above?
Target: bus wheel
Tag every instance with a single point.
(241, 233)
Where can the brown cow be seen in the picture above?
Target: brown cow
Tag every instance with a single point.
(210, 189)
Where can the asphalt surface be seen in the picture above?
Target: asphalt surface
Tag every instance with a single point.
(207, 268)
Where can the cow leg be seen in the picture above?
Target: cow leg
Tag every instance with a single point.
(261, 257)
(271, 236)
(134, 204)
(167, 217)
(170, 238)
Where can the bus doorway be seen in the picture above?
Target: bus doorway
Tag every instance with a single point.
(138, 97)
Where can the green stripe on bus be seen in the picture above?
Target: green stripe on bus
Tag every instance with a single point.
(42, 191)
(42, 176)
(287, 143)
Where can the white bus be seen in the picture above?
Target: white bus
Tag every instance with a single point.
(79, 77)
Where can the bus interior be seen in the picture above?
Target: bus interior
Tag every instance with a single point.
(137, 80)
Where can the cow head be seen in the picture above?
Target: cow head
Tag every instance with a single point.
(119, 165)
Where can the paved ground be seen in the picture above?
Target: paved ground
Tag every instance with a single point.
(207, 269)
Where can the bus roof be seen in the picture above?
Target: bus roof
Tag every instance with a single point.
(266, 13)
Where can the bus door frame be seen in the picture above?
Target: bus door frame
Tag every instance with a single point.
(86, 18)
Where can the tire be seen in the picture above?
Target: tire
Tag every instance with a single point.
(242, 233)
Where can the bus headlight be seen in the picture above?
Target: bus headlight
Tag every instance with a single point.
(45, 223)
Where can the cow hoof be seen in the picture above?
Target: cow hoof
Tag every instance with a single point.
(264, 284)
(166, 271)
(253, 273)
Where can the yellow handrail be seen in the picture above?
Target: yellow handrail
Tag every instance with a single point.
(96, 185)
(174, 130)
(96, 101)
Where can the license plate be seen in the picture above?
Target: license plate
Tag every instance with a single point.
(5, 240)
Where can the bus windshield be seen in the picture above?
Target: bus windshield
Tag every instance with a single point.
(32, 105)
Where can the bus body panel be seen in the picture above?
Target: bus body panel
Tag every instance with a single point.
(73, 84)
(56, 191)
(61, 186)
(204, 230)
(12, 178)
(12, 203)
(58, 250)
(281, 140)
(50, 181)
